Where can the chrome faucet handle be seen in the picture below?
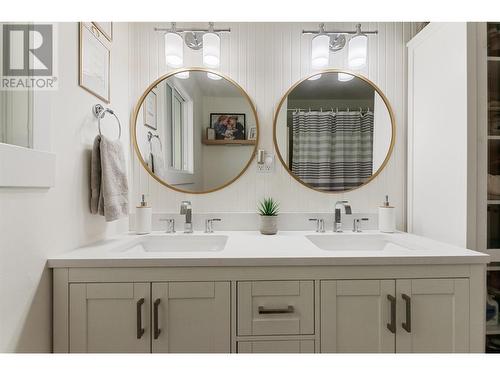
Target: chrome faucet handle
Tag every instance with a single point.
(209, 227)
(320, 225)
(185, 206)
(356, 224)
(170, 225)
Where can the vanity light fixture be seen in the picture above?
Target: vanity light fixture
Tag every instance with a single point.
(208, 40)
(211, 48)
(358, 49)
(325, 42)
(320, 49)
(174, 51)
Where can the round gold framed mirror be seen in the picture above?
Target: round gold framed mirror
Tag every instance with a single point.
(195, 130)
(334, 131)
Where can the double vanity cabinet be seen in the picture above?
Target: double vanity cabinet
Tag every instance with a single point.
(303, 301)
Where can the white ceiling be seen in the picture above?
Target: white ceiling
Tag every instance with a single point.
(329, 87)
(198, 81)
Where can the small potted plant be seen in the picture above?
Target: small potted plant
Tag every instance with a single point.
(268, 210)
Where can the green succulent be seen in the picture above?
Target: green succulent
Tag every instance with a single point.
(268, 207)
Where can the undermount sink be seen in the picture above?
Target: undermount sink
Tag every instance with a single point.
(180, 243)
(352, 242)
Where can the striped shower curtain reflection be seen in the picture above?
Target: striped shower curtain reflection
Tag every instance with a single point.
(332, 151)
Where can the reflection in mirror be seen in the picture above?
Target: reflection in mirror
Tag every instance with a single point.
(192, 131)
(16, 109)
(16, 118)
(334, 131)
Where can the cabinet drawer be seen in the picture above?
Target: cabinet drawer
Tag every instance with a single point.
(275, 308)
(276, 346)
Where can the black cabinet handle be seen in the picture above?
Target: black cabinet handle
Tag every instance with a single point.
(140, 330)
(287, 310)
(392, 325)
(407, 325)
(157, 331)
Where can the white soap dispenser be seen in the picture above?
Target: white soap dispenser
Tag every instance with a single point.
(143, 214)
(387, 217)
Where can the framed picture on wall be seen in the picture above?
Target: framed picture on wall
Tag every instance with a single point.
(151, 110)
(94, 62)
(106, 28)
(228, 126)
(252, 134)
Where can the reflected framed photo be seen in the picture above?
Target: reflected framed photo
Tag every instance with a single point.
(106, 28)
(94, 63)
(252, 134)
(150, 110)
(228, 126)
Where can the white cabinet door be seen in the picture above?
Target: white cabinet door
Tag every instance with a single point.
(432, 315)
(109, 318)
(355, 315)
(191, 317)
(442, 134)
(276, 346)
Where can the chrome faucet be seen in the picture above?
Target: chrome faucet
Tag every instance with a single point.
(209, 225)
(187, 210)
(337, 226)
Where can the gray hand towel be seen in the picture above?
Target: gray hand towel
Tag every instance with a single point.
(108, 179)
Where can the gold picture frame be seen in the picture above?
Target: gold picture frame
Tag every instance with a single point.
(106, 28)
(133, 128)
(384, 99)
(154, 97)
(90, 41)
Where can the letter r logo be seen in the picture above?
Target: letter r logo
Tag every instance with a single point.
(27, 50)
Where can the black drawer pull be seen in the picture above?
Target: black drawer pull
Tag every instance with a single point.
(392, 325)
(407, 325)
(287, 310)
(140, 330)
(157, 330)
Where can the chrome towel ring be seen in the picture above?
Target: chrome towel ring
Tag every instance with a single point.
(150, 138)
(99, 112)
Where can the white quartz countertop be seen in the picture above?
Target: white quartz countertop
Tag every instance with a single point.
(248, 248)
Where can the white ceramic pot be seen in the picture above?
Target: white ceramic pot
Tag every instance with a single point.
(268, 224)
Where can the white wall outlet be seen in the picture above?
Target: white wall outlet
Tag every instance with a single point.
(268, 165)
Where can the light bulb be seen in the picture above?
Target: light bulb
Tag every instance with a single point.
(320, 51)
(211, 50)
(344, 77)
(314, 77)
(356, 57)
(213, 76)
(183, 75)
(174, 50)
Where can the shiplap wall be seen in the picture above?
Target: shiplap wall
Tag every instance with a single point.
(266, 59)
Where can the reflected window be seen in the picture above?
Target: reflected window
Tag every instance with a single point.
(177, 131)
(181, 153)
